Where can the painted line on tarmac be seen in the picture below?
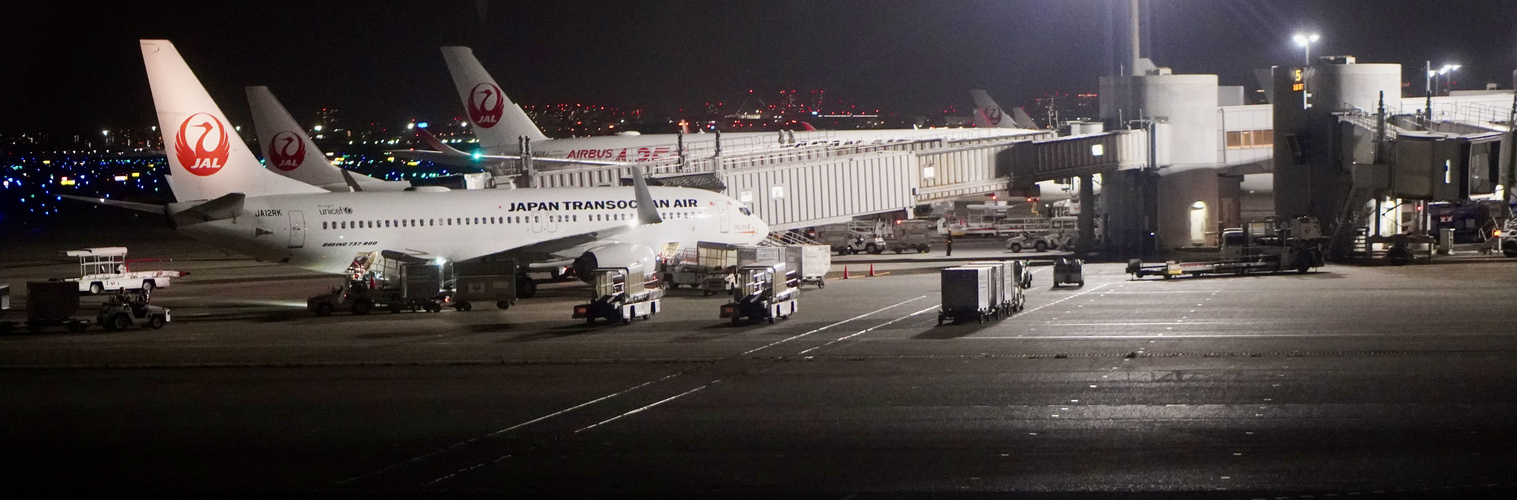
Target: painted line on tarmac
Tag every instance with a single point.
(586, 428)
(1230, 336)
(640, 410)
(508, 429)
(870, 329)
(1083, 292)
(787, 339)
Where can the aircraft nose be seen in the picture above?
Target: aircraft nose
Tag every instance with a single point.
(762, 229)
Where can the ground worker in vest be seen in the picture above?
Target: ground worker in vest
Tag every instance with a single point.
(949, 243)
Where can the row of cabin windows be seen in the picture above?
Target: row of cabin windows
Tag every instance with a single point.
(469, 221)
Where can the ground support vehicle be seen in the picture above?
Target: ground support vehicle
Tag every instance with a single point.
(48, 303)
(393, 282)
(131, 308)
(1037, 241)
(1508, 238)
(1271, 245)
(706, 267)
(355, 297)
(910, 235)
(104, 269)
(816, 261)
(620, 294)
(491, 281)
(763, 292)
(967, 293)
(1068, 271)
(1023, 270)
(1009, 282)
(851, 238)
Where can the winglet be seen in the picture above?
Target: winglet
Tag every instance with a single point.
(437, 144)
(647, 212)
(347, 177)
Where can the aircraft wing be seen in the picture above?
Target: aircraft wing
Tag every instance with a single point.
(131, 205)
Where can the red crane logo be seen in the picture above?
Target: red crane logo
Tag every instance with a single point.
(200, 159)
(287, 151)
(486, 105)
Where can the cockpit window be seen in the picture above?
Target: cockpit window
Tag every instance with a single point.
(745, 210)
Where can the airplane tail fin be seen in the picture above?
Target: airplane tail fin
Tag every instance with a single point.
(1022, 120)
(206, 157)
(988, 114)
(286, 147)
(497, 121)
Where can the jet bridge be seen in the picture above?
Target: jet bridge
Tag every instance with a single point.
(815, 181)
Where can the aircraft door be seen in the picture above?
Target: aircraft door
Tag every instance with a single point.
(297, 229)
(724, 217)
(552, 220)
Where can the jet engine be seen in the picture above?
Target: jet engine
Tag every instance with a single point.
(614, 255)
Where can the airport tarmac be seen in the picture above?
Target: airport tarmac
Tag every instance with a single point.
(1345, 381)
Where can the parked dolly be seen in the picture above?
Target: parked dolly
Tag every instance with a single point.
(48, 303)
(1068, 271)
(762, 292)
(488, 281)
(620, 294)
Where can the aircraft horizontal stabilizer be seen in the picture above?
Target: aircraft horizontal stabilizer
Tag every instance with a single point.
(225, 207)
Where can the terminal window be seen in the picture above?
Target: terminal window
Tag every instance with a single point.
(1247, 139)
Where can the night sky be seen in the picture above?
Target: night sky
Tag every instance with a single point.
(75, 66)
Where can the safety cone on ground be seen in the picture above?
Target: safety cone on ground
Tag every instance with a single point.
(845, 272)
(871, 269)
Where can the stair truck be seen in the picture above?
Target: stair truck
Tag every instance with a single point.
(762, 292)
(1013, 297)
(621, 294)
(1271, 245)
(967, 293)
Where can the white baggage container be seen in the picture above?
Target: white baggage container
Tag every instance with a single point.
(966, 293)
(816, 261)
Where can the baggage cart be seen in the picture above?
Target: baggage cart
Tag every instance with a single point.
(966, 293)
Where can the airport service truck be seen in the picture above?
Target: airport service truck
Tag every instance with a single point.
(1270, 245)
(620, 294)
(104, 269)
(763, 292)
(906, 235)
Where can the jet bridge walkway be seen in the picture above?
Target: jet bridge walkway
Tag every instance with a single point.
(817, 181)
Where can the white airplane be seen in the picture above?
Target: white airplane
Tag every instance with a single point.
(229, 200)
(289, 150)
(498, 124)
(988, 114)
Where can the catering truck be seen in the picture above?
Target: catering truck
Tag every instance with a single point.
(1270, 245)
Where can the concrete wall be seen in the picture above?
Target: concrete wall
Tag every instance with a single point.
(1188, 103)
(1177, 192)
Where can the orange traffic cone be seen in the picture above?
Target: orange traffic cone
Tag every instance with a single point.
(845, 272)
(871, 269)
